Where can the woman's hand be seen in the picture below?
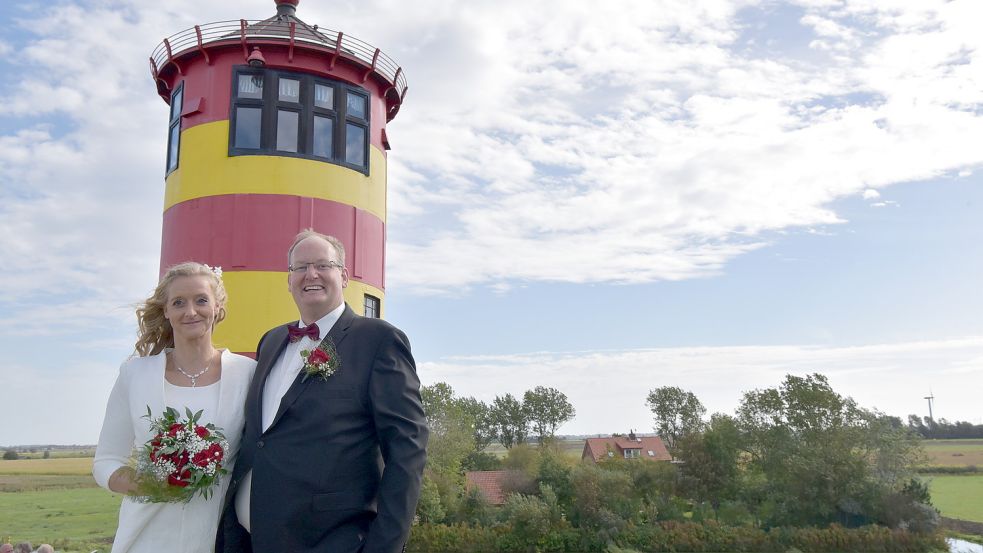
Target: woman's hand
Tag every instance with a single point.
(123, 481)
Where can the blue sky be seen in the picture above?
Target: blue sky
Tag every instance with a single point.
(602, 199)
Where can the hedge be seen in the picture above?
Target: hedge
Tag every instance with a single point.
(672, 536)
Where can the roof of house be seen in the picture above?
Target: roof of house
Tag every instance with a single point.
(489, 482)
(651, 447)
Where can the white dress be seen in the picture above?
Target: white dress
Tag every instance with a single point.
(154, 527)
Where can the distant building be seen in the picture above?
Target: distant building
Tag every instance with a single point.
(626, 447)
(489, 482)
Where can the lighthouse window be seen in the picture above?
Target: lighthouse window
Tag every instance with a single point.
(174, 128)
(356, 105)
(355, 144)
(323, 96)
(323, 133)
(372, 305)
(287, 123)
(250, 86)
(248, 125)
(299, 115)
(290, 90)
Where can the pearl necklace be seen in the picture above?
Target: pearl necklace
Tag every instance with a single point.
(193, 377)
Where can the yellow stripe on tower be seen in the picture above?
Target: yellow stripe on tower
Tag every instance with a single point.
(207, 170)
(241, 330)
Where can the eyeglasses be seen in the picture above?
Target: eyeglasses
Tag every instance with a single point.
(319, 266)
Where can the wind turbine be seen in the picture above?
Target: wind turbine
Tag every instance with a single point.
(930, 397)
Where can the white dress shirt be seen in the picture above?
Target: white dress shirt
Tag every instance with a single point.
(281, 377)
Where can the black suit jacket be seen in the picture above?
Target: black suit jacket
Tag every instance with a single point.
(339, 468)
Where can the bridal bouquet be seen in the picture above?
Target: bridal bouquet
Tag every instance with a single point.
(182, 459)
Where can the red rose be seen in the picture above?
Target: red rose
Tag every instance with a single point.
(179, 459)
(154, 447)
(317, 357)
(180, 480)
(201, 458)
(202, 432)
(174, 429)
(215, 452)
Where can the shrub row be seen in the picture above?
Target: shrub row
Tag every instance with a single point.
(945, 469)
(671, 536)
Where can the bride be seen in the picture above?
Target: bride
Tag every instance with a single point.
(177, 366)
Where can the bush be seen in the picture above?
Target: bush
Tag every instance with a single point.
(10, 455)
(474, 509)
(522, 458)
(733, 513)
(945, 469)
(666, 536)
(519, 482)
(429, 509)
(529, 518)
(554, 471)
(479, 460)
(602, 498)
(438, 538)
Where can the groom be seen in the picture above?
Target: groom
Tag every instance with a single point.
(333, 452)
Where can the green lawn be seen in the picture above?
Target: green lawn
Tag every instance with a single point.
(958, 496)
(81, 519)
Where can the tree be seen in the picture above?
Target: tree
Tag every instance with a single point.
(677, 412)
(450, 429)
(547, 409)
(510, 420)
(10, 455)
(483, 427)
(711, 461)
(820, 457)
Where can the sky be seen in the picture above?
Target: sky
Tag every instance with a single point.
(603, 198)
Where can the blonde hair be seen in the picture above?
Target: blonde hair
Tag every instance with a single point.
(339, 248)
(155, 332)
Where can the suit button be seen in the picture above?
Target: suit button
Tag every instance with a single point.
(259, 443)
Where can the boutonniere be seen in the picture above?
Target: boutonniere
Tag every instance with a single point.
(321, 361)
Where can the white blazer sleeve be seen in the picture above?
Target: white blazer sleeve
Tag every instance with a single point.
(116, 437)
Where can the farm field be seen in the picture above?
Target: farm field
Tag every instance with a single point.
(56, 466)
(954, 453)
(958, 496)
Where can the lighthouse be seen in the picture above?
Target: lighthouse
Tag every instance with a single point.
(274, 126)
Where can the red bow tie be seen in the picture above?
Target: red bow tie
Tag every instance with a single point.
(296, 333)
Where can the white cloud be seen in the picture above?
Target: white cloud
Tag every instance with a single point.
(661, 152)
(871, 194)
(608, 388)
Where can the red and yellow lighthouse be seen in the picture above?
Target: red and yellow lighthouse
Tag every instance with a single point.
(275, 126)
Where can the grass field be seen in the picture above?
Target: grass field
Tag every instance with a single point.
(70, 519)
(957, 496)
(954, 453)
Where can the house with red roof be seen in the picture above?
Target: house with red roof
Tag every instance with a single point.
(626, 447)
(489, 482)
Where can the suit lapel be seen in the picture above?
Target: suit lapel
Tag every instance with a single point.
(337, 334)
(265, 362)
